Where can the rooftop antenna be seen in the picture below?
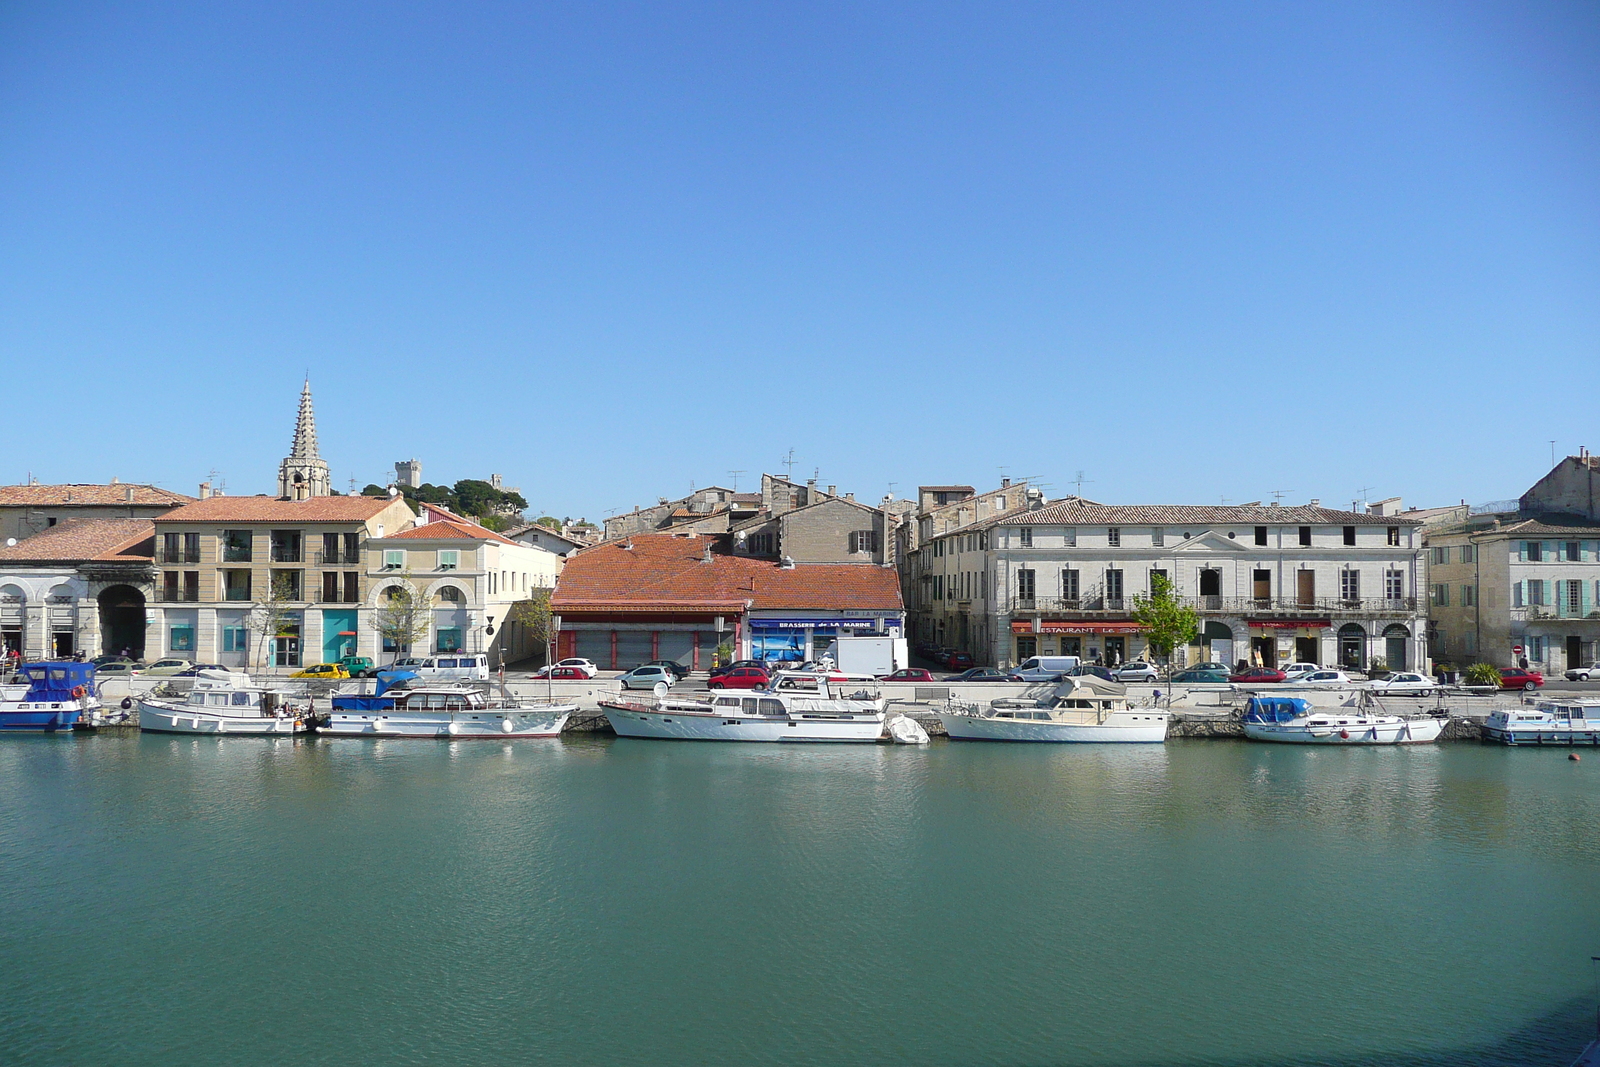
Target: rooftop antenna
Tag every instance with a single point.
(736, 479)
(1222, 500)
(1279, 494)
(1364, 490)
(788, 463)
(1552, 453)
(1080, 481)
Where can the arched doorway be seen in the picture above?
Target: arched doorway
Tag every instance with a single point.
(1395, 640)
(1352, 646)
(122, 621)
(13, 604)
(1219, 637)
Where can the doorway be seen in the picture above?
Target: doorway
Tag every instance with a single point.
(1395, 640)
(1116, 650)
(1307, 650)
(1305, 589)
(1574, 652)
(122, 621)
(1265, 651)
(1352, 646)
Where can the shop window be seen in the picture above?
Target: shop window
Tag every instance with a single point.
(1027, 647)
(181, 638)
(449, 640)
(233, 639)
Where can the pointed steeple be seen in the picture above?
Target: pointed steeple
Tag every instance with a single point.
(304, 474)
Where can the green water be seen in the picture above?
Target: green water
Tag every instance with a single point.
(184, 901)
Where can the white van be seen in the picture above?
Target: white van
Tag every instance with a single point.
(1043, 668)
(468, 668)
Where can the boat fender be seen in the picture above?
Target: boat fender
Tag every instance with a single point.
(507, 725)
(1345, 734)
(455, 728)
(127, 703)
(78, 691)
(1574, 757)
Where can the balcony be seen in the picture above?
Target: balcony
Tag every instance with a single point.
(340, 597)
(1282, 606)
(180, 596)
(1087, 604)
(1550, 612)
(338, 559)
(178, 555)
(285, 554)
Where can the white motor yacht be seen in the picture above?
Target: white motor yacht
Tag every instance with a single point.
(799, 706)
(455, 712)
(223, 702)
(1297, 721)
(1546, 722)
(1081, 709)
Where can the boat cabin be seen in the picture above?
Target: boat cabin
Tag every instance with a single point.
(57, 682)
(439, 700)
(1547, 713)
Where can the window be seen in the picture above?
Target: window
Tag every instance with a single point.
(1156, 572)
(1069, 536)
(1261, 535)
(1027, 647)
(287, 584)
(1157, 537)
(394, 559)
(1574, 552)
(330, 586)
(286, 546)
(1533, 550)
(1305, 537)
(1025, 584)
(1350, 582)
(1574, 598)
(1440, 555)
(1069, 584)
(449, 559)
(236, 585)
(1468, 595)
(1393, 536)
(938, 587)
(236, 546)
(181, 637)
(1113, 585)
(1114, 536)
(1469, 553)
(1349, 535)
(1394, 585)
(1536, 592)
(449, 640)
(863, 541)
(1025, 537)
(233, 639)
(1516, 594)
(1441, 596)
(352, 587)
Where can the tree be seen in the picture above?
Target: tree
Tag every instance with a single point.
(1166, 622)
(534, 615)
(549, 522)
(1483, 674)
(272, 617)
(402, 616)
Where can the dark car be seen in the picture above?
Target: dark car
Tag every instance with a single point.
(194, 672)
(1192, 676)
(718, 672)
(1518, 678)
(1091, 670)
(678, 670)
(1258, 675)
(101, 661)
(978, 674)
(958, 661)
(907, 674)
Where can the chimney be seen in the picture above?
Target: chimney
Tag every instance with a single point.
(127, 494)
(849, 496)
(706, 557)
(811, 484)
(205, 490)
(833, 490)
(113, 479)
(661, 500)
(1005, 483)
(1315, 502)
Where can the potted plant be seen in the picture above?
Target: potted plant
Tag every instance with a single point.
(1485, 676)
(723, 655)
(1378, 668)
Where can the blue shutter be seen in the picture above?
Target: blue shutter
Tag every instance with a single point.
(1583, 599)
(1522, 551)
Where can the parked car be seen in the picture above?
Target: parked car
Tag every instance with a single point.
(321, 670)
(1195, 676)
(406, 663)
(1137, 671)
(1091, 670)
(454, 666)
(166, 668)
(578, 661)
(358, 666)
(958, 661)
(1211, 665)
(978, 674)
(1582, 674)
(121, 668)
(647, 676)
(556, 670)
(1517, 678)
(908, 674)
(194, 672)
(1291, 669)
(1404, 682)
(679, 671)
(1321, 678)
(101, 661)
(1257, 675)
(742, 678)
(718, 672)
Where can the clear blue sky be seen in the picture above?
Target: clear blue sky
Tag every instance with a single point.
(1196, 251)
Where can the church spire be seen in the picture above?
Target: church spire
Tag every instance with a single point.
(304, 474)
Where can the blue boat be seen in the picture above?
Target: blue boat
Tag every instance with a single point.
(58, 692)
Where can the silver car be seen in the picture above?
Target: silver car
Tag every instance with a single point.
(646, 677)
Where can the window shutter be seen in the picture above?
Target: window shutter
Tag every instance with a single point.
(1583, 599)
(852, 539)
(1522, 552)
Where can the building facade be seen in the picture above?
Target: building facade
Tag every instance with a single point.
(26, 510)
(82, 586)
(1271, 584)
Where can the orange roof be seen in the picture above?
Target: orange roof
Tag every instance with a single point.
(662, 569)
(42, 496)
(452, 529)
(75, 540)
(276, 509)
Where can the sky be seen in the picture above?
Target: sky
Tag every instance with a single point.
(1186, 253)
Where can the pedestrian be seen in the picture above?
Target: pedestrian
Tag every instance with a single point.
(1523, 662)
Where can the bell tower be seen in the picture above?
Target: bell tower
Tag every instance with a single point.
(304, 474)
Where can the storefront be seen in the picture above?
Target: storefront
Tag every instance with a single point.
(1110, 643)
(796, 638)
(1274, 642)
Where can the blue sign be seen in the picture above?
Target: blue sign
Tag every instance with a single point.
(819, 624)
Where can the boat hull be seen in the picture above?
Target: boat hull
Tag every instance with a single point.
(493, 724)
(159, 718)
(1401, 732)
(38, 718)
(1549, 735)
(676, 725)
(974, 728)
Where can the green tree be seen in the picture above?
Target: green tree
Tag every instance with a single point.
(549, 522)
(1483, 674)
(402, 615)
(1167, 623)
(534, 615)
(272, 617)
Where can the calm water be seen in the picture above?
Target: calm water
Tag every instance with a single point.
(187, 901)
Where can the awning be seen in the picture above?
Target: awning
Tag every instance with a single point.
(1288, 624)
(345, 633)
(1074, 626)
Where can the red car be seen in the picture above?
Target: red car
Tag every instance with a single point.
(1517, 678)
(959, 661)
(907, 674)
(1258, 675)
(741, 678)
(568, 673)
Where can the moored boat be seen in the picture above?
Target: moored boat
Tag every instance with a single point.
(455, 712)
(223, 702)
(1296, 721)
(1080, 710)
(799, 706)
(1546, 722)
(58, 693)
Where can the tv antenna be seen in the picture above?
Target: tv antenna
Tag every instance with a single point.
(1080, 481)
(736, 479)
(788, 463)
(1279, 494)
(1552, 453)
(1364, 490)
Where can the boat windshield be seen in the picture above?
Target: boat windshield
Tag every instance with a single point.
(1275, 709)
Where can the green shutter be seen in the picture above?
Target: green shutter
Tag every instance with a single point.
(1522, 551)
(1583, 599)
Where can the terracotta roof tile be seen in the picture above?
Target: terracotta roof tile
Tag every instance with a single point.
(75, 540)
(452, 529)
(276, 509)
(40, 496)
(664, 569)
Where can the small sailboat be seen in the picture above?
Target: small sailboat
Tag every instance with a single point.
(1296, 721)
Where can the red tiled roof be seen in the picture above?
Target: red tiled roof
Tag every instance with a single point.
(453, 529)
(75, 540)
(662, 569)
(275, 509)
(1077, 511)
(40, 496)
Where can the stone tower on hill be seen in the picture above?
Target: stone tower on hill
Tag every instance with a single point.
(304, 474)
